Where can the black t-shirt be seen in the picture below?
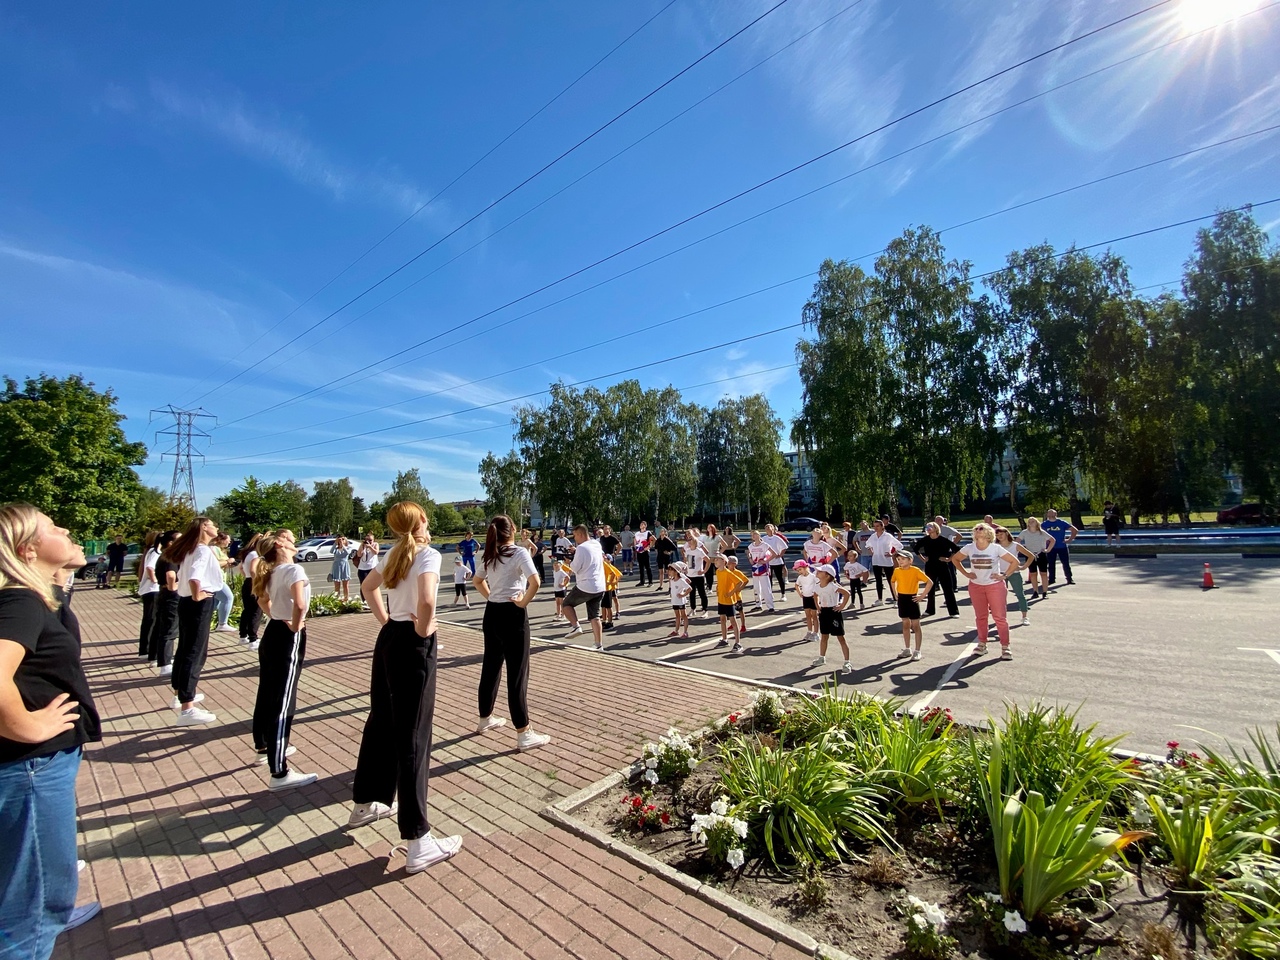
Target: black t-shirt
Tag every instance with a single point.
(610, 544)
(50, 666)
(163, 566)
(116, 552)
(935, 549)
(893, 528)
(666, 548)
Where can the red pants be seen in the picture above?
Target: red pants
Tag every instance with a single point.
(991, 597)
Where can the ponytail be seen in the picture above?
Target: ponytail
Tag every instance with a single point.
(498, 540)
(404, 519)
(268, 560)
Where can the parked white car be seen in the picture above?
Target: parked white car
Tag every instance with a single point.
(317, 548)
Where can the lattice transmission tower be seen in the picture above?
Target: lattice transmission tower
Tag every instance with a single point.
(185, 431)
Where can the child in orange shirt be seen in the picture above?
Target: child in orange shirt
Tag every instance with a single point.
(910, 586)
(729, 584)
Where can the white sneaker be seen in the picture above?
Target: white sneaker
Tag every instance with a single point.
(915, 655)
(165, 671)
(194, 717)
(818, 662)
(255, 644)
(574, 631)
(289, 751)
(904, 652)
(290, 780)
(490, 723)
(1026, 622)
(369, 812)
(848, 667)
(530, 740)
(80, 865)
(177, 704)
(428, 851)
(224, 628)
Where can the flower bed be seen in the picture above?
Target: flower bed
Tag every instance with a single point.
(894, 836)
(328, 605)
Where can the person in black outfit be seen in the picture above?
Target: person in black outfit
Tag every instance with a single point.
(610, 544)
(891, 527)
(116, 552)
(666, 550)
(937, 551)
(164, 628)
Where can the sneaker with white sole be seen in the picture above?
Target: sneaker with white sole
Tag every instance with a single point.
(737, 648)
(369, 812)
(255, 645)
(177, 704)
(904, 652)
(528, 740)
(848, 667)
(291, 779)
(289, 751)
(224, 628)
(818, 662)
(982, 649)
(915, 655)
(1004, 652)
(574, 631)
(490, 723)
(165, 671)
(427, 851)
(1026, 622)
(194, 717)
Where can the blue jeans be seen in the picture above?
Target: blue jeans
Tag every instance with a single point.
(38, 878)
(222, 601)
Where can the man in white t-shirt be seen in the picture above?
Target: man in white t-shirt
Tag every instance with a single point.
(588, 572)
(778, 565)
(644, 541)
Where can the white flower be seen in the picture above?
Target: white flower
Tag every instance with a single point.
(934, 915)
(1014, 923)
(740, 828)
(735, 858)
(651, 776)
(994, 897)
(652, 763)
(693, 762)
(720, 807)
(917, 921)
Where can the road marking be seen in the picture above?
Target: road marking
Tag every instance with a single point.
(737, 679)
(684, 650)
(923, 702)
(1273, 654)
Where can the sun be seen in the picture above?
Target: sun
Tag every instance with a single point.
(1205, 14)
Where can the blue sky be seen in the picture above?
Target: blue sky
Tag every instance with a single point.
(179, 183)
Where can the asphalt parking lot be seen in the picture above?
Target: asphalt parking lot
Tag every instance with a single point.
(1135, 644)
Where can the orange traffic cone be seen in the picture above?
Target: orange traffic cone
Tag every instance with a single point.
(1207, 584)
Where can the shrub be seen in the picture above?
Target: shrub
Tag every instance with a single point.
(815, 717)
(722, 833)
(766, 711)
(329, 604)
(641, 813)
(673, 757)
(1203, 835)
(913, 758)
(802, 803)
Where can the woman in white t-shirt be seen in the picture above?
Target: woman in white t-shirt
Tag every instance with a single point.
(283, 592)
(989, 566)
(508, 581)
(695, 559)
(199, 580)
(250, 609)
(760, 554)
(883, 546)
(148, 590)
(395, 749)
(367, 557)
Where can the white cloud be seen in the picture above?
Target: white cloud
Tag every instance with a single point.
(443, 387)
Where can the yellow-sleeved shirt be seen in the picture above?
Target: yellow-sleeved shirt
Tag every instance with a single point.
(729, 582)
(611, 576)
(907, 581)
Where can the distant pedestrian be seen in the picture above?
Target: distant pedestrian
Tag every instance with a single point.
(628, 540)
(855, 574)
(1063, 532)
(760, 554)
(989, 565)
(588, 589)
(936, 550)
(148, 591)
(117, 550)
(395, 749)
(890, 527)
(778, 565)
(667, 552)
(1006, 540)
(467, 548)
(644, 543)
(461, 574)
(508, 582)
(1111, 517)
(164, 632)
(697, 561)
(367, 557)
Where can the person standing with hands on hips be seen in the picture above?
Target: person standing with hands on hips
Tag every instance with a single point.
(46, 716)
(508, 582)
(1063, 533)
(989, 567)
(395, 749)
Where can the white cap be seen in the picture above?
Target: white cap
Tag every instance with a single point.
(828, 569)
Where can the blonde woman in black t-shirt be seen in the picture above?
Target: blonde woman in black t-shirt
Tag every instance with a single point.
(46, 716)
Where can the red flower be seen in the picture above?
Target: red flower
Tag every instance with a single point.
(641, 821)
(1172, 744)
(637, 802)
(1195, 756)
(666, 817)
(733, 718)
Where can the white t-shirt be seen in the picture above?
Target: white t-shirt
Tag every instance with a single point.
(201, 565)
(854, 570)
(778, 544)
(643, 538)
(149, 564)
(280, 593)
(828, 596)
(246, 565)
(807, 584)
(368, 557)
(1037, 541)
(588, 567)
(984, 562)
(402, 599)
(948, 531)
(710, 544)
(508, 577)
(460, 571)
(758, 553)
(679, 586)
(564, 546)
(696, 558)
(561, 578)
(817, 552)
(883, 547)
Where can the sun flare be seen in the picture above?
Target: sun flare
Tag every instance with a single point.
(1203, 14)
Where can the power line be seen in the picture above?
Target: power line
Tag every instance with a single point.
(727, 343)
(533, 176)
(653, 327)
(807, 163)
(426, 203)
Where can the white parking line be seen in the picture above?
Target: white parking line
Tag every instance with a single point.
(681, 652)
(923, 702)
(1273, 654)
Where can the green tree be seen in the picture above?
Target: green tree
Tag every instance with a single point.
(630, 444)
(563, 443)
(446, 519)
(408, 487)
(506, 485)
(675, 459)
(1231, 285)
(476, 518)
(255, 506)
(762, 477)
(359, 517)
(62, 450)
(157, 512)
(330, 506)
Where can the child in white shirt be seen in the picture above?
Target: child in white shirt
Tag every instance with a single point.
(832, 599)
(561, 574)
(461, 574)
(806, 587)
(680, 590)
(857, 575)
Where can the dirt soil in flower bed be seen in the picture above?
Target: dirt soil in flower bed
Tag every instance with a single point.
(863, 911)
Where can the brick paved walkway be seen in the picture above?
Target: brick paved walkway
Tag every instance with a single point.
(191, 856)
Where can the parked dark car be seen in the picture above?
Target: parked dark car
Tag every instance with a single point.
(799, 523)
(1244, 513)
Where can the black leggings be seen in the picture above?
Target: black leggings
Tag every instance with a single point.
(699, 589)
(395, 750)
(646, 571)
(779, 571)
(506, 640)
(148, 621)
(194, 620)
(882, 574)
(250, 613)
(165, 628)
(855, 591)
(280, 657)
